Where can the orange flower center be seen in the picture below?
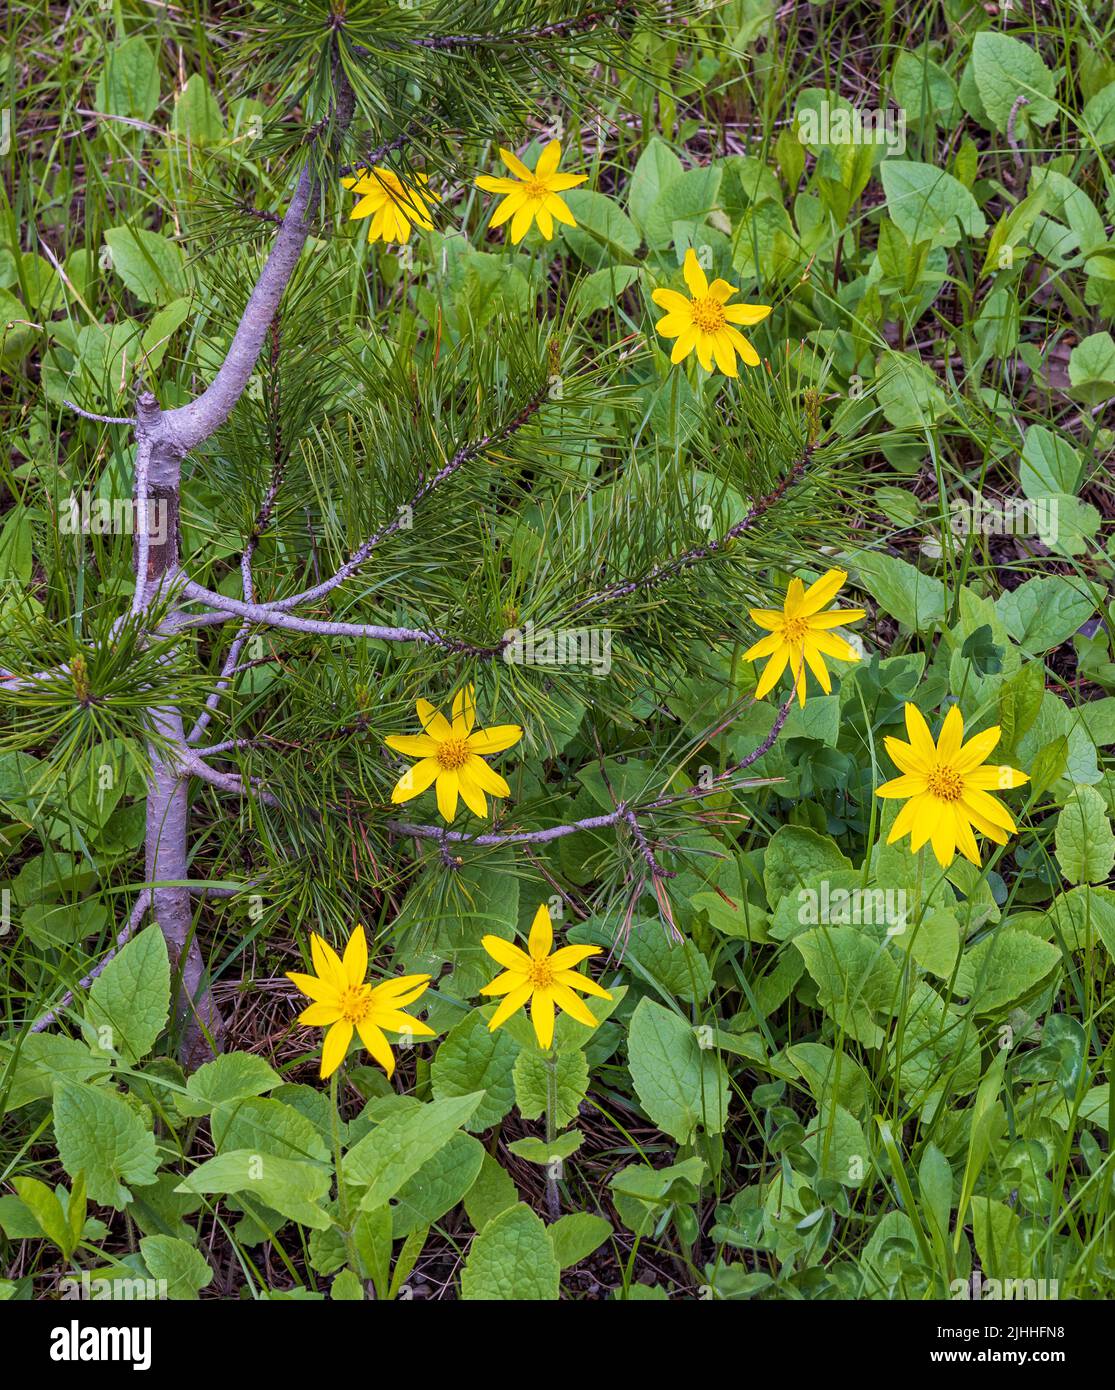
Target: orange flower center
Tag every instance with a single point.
(945, 783)
(794, 629)
(540, 975)
(355, 1003)
(453, 753)
(536, 190)
(708, 314)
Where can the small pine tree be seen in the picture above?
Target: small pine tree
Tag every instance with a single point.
(371, 505)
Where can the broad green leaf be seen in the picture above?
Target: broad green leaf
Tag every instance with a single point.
(1045, 611)
(1004, 967)
(856, 978)
(928, 204)
(917, 600)
(689, 197)
(43, 1203)
(680, 1085)
(603, 234)
(492, 1192)
(656, 169)
(286, 1185)
(1083, 837)
(532, 1079)
(539, 1151)
(577, 1235)
(151, 266)
(1005, 69)
(128, 1005)
(1050, 464)
(471, 1059)
(267, 1126)
(42, 1061)
(197, 117)
(101, 1135)
(1092, 368)
(438, 1186)
(185, 1269)
(511, 1260)
(233, 1076)
(796, 854)
(129, 84)
(400, 1144)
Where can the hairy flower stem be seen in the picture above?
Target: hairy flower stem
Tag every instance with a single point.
(553, 1193)
(338, 1159)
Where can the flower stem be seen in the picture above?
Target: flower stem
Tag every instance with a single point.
(553, 1195)
(344, 1219)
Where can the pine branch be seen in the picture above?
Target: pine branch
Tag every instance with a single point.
(670, 568)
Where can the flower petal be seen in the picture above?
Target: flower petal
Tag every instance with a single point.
(516, 165)
(327, 962)
(335, 1046)
(582, 982)
(951, 735)
(413, 745)
(434, 723)
(447, 789)
(773, 672)
(313, 987)
(568, 1002)
(319, 1015)
(485, 777)
(495, 739)
(746, 315)
(377, 1045)
(548, 160)
(506, 953)
(921, 740)
(540, 942)
(511, 1004)
(694, 275)
(822, 592)
(566, 957)
(977, 750)
(542, 1017)
(469, 788)
(355, 959)
(415, 780)
(464, 711)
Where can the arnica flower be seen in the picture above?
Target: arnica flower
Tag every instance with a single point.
(452, 755)
(706, 324)
(947, 784)
(800, 636)
(532, 197)
(543, 978)
(391, 204)
(343, 1001)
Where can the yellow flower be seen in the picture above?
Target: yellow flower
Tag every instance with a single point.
(705, 323)
(451, 754)
(947, 784)
(343, 1001)
(542, 978)
(391, 204)
(532, 197)
(800, 636)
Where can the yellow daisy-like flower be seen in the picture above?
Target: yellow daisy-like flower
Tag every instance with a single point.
(343, 1001)
(800, 636)
(532, 197)
(391, 204)
(541, 978)
(707, 324)
(947, 784)
(453, 756)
